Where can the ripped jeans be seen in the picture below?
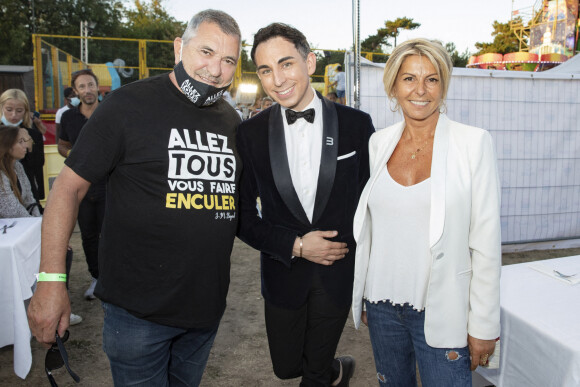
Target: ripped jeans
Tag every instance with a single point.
(398, 338)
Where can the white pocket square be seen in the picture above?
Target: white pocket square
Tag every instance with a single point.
(346, 156)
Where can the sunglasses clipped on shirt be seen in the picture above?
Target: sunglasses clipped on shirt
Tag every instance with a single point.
(56, 357)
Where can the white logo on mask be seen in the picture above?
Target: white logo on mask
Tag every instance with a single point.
(190, 91)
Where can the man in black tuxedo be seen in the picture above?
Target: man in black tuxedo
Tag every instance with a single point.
(306, 158)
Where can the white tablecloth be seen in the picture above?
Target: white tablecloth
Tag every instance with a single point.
(540, 327)
(19, 261)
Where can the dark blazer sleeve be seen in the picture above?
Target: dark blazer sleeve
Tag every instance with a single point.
(272, 240)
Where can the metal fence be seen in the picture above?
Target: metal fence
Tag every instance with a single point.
(534, 119)
(116, 62)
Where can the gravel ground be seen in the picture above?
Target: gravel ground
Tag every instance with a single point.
(240, 354)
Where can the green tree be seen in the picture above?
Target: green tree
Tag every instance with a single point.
(323, 59)
(504, 41)
(393, 28)
(151, 21)
(60, 17)
(459, 60)
(15, 33)
(375, 43)
(379, 41)
(247, 64)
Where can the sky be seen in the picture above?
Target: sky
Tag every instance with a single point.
(328, 24)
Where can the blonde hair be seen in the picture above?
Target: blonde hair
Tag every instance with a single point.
(18, 95)
(432, 50)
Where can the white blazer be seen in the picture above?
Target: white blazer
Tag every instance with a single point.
(464, 233)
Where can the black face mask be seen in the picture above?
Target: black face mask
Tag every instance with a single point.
(201, 94)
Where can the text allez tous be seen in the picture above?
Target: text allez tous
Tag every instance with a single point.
(198, 161)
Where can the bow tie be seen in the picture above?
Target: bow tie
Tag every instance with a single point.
(292, 116)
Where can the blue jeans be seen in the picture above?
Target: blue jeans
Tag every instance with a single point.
(143, 353)
(397, 335)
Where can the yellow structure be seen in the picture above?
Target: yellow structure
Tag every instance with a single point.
(53, 163)
(329, 74)
(53, 67)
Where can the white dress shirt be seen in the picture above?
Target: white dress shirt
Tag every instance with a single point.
(304, 150)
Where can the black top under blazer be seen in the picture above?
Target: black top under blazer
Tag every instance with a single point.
(266, 174)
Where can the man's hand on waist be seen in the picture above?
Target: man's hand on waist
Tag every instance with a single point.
(316, 248)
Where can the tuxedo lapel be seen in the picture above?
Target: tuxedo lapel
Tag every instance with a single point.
(327, 158)
(280, 167)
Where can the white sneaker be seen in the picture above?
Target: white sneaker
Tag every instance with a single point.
(89, 293)
(75, 319)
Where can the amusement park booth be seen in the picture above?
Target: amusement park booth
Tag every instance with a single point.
(547, 32)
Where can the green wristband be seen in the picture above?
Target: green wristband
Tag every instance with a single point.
(51, 277)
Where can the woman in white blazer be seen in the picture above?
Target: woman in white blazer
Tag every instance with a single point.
(427, 228)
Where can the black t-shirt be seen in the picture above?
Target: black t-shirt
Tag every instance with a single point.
(172, 195)
(71, 124)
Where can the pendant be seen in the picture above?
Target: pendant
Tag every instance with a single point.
(414, 154)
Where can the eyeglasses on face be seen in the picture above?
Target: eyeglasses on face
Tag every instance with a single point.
(56, 357)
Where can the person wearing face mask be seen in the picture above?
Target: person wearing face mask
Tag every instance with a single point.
(15, 110)
(71, 100)
(92, 208)
(167, 146)
(16, 199)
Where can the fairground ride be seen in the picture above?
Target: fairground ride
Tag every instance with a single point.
(547, 33)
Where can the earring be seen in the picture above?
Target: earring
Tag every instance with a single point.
(443, 108)
(393, 108)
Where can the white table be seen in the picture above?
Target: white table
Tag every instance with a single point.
(19, 261)
(540, 327)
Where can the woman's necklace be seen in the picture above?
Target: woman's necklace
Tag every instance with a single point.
(415, 153)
